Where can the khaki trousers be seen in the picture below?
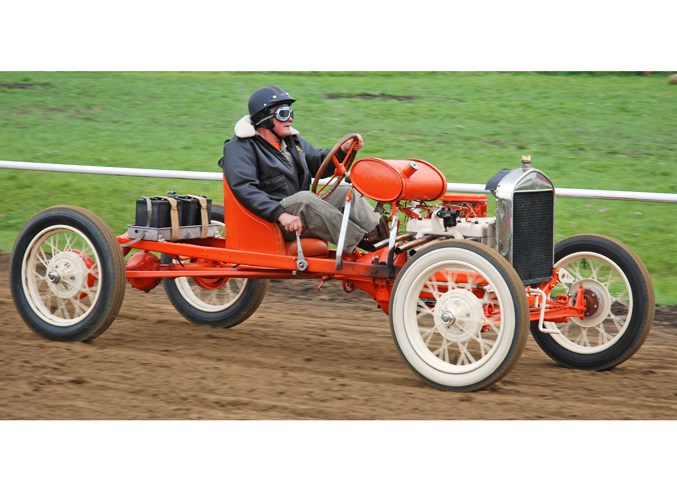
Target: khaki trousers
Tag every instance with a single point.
(322, 218)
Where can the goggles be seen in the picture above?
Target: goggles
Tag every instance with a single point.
(283, 113)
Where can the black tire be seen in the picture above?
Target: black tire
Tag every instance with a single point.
(622, 304)
(67, 274)
(441, 322)
(217, 302)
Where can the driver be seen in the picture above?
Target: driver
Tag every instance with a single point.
(268, 167)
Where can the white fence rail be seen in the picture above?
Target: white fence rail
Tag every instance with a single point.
(208, 175)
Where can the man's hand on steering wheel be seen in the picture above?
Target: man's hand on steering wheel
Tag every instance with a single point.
(349, 145)
(357, 141)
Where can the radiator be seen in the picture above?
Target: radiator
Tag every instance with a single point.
(525, 221)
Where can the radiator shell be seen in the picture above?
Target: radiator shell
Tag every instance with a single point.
(525, 222)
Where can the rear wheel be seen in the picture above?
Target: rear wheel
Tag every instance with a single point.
(67, 274)
(620, 304)
(219, 302)
(218, 217)
(459, 315)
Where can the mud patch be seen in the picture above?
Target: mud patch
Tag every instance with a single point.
(23, 86)
(370, 96)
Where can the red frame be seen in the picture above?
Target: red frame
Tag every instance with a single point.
(255, 248)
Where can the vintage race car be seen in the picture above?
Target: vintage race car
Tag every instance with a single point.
(462, 289)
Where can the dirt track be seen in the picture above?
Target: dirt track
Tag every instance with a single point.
(281, 364)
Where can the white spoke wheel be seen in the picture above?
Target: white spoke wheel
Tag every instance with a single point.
(218, 301)
(67, 274)
(459, 315)
(619, 298)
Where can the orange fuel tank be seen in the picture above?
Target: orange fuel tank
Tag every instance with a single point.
(395, 180)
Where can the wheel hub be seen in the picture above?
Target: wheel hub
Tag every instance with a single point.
(211, 283)
(597, 302)
(67, 274)
(54, 276)
(448, 317)
(591, 302)
(459, 315)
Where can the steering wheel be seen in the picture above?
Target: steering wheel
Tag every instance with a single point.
(341, 167)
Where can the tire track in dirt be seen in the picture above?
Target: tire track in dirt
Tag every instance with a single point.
(303, 355)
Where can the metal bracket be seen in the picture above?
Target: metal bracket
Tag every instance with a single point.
(541, 319)
(344, 227)
(164, 234)
(391, 246)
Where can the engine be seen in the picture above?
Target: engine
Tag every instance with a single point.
(522, 230)
(459, 217)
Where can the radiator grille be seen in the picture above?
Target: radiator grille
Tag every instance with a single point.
(533, 222)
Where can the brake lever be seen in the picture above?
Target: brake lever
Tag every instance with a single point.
(301, 262)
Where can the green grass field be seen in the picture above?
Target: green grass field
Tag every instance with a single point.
(612, 131)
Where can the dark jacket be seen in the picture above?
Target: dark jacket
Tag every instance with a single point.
(260, 176)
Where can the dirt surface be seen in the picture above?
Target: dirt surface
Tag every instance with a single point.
(286, 362)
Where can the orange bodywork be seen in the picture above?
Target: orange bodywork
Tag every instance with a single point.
(255, 248)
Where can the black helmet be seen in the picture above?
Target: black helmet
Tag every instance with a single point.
(264, 98)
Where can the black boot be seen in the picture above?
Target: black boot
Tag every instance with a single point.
(379, 233)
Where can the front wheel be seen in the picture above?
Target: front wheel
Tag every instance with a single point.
(619, 298)
(67, 274)
(459, 315)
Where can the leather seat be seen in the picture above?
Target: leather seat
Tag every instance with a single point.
(311, 247)
(248, 232)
